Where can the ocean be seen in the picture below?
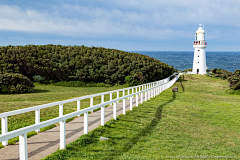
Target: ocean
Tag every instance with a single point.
(182, 60)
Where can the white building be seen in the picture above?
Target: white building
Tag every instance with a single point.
(199, 59)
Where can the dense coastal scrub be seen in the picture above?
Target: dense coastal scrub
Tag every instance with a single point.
(15, 83)
(79, 63)
(200, 121)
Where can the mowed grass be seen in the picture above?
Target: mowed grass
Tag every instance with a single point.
(44, 94)
(200, 120)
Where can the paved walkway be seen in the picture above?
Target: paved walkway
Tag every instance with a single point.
(45, 143)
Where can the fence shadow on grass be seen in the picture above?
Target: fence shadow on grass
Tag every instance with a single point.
(149, 128)
(180, 80)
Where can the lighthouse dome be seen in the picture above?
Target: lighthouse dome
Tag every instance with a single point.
(200, 30)
(200, 34)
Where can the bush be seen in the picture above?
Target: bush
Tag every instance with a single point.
(127, 79)
(214, 70)
(188, 70)
(234, 80)
(237, 72)
(38, 79)
(237, 86)
(209, 74)
(232, 91)
(15, 83)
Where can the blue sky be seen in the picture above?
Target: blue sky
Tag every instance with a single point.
(132, 25)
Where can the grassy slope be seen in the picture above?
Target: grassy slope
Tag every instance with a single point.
(200, 119)
(46, 94)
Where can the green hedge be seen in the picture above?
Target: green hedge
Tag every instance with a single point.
(80, 63)
(15, 83)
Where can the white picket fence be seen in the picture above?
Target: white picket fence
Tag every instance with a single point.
(149, 89)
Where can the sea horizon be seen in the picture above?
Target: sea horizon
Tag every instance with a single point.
(181, 60)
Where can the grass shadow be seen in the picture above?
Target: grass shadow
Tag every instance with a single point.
(181, 79)
(149, 128)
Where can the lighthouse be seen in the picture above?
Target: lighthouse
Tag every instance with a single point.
(199, 45)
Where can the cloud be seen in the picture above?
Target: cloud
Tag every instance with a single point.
(125, 19)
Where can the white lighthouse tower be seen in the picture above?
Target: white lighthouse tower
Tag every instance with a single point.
(199, 59)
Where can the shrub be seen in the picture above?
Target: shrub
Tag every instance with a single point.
(127, 79)
(15, 83)
(237, 72)
(209, 74)
(232, 91)
(38, 79)
(214, 70)
(237, 86)
(186, 70)
(234, 80)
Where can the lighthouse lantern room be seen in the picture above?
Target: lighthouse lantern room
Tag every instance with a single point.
(199, 59)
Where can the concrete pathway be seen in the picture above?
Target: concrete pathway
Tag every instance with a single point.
(45, 143)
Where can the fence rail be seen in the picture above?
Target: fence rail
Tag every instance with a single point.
(151, 90)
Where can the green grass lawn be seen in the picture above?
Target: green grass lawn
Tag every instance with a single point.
(46, 94)
(199, 120)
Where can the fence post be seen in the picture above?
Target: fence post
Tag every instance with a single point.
(149, 94)
(78, 106)
(102, 98)
(62, 134)
(145, 95)
(102, 111)
(128, 93)
(154, 92)
(37, 118)
(86, 123)
(124, 106)
(124, 103)
(115, 110)
(158, 88)
(4, 129)
(91, 103)
(60, 110)
(136, 100)
(23, 147)
(139, 90)
(131, 98)
(132, 91)
(141, 97)
(111, 97)
(117, 95)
